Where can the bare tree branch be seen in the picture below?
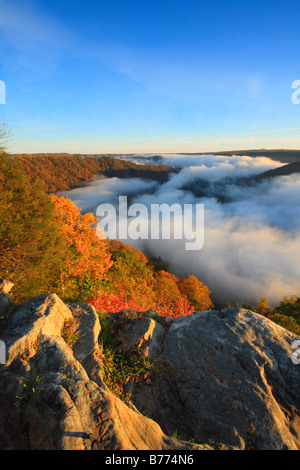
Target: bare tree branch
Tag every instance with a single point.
(5, 135)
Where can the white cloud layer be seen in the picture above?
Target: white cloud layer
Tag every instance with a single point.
(252, 232)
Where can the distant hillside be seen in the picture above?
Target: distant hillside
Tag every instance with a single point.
(282, 171)
(284, 156)
(281, 155)
(64, 172)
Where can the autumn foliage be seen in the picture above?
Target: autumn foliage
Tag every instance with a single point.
(195, 292)
(31, 253)
(133, 284)
(47, 245)
(88, 259)
(63, 172)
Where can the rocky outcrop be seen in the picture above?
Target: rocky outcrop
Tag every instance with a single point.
(223, 377)
(227, 376)
(144, 332)
(54, 396)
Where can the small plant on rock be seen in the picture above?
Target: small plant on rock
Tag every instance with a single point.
(70, 332)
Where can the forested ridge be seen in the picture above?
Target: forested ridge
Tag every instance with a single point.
(64, 172)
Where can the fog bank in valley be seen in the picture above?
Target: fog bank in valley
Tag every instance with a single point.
(252, 231)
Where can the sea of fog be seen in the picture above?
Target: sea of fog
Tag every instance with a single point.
(251, 233)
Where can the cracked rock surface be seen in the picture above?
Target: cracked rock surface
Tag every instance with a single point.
(53, 396)
(227, 376)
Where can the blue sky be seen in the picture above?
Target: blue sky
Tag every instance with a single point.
(159, 76)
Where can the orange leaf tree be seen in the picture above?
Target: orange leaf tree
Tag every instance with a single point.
(169, 300)
(88, 260)
(130, 277)
(196, 292)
